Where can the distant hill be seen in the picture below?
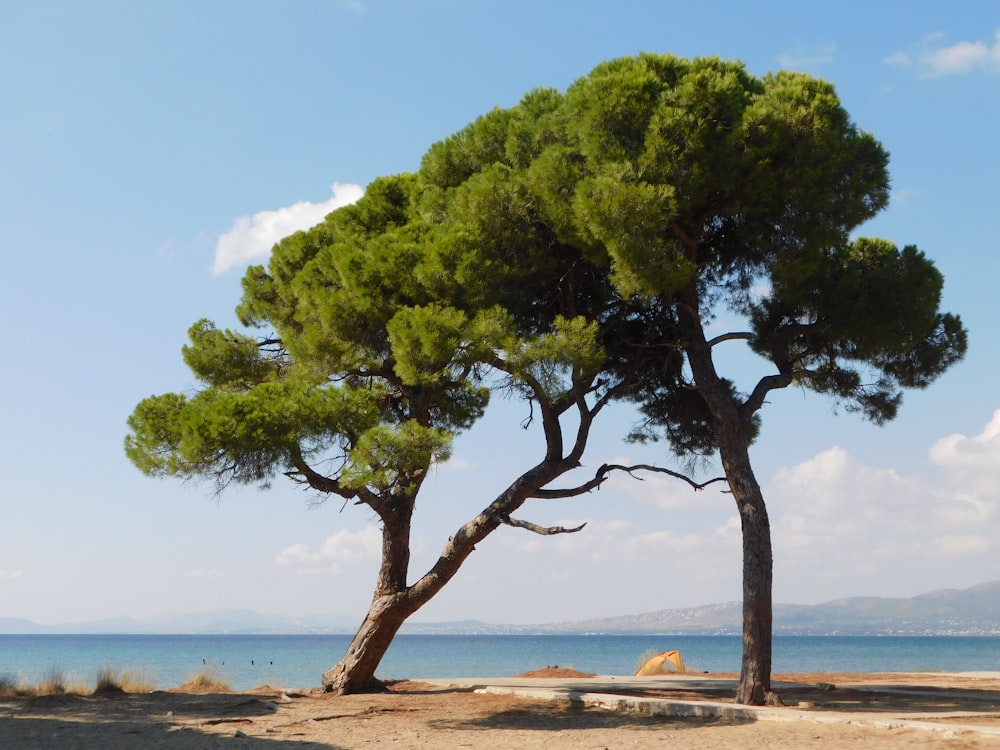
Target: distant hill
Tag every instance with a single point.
(236, 621)
(971, 611)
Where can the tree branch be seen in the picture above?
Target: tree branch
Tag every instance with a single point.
(764, 386)
(732, 336)
(316, 480)
(602, 475)
(543, 530)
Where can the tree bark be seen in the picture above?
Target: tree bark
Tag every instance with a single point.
(755, 671)
(355, 672)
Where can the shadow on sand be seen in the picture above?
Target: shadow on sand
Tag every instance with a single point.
(172, 721)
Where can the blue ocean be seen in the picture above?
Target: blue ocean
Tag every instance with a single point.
(297, 661)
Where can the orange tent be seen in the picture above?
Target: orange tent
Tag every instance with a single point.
(668, 661)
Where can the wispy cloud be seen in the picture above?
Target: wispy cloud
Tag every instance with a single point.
(808, 57)
(10, 575)
(252, 237)
(961, 58)
(212, 573)
(343, 549)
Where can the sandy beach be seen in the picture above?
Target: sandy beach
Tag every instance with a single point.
(871, 711)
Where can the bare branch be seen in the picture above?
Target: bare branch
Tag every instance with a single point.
(602, 475)
(543, 530)
(732, 336)
(661, 470)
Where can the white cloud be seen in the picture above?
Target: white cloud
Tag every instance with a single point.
(964, 544)
(212, 573)
(807, 58)
(456, 463)
(842, 527)
(899, 58)
(343, 549)
(979, 453)
(252, 237)
(957, 59)
(964, 57)
(10, 575)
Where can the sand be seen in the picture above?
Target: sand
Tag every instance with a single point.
(428, 715)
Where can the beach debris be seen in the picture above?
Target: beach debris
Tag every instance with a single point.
(667, 661)
(286, 698)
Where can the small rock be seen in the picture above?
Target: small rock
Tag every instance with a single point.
(240, 733)
(826, 686)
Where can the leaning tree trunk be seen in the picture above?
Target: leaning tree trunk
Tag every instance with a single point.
(355, 672)
(391, 604)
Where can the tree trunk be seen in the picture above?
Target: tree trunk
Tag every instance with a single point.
(755, 672)
(391, 604)
(355, 672)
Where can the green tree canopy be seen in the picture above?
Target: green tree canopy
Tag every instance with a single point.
(385, 333)
(576, 248)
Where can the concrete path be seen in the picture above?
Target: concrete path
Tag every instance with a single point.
(612, 692)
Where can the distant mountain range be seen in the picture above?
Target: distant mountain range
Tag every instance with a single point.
(227, 621)
(971, 611)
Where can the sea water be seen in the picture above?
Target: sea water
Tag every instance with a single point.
(297, 661)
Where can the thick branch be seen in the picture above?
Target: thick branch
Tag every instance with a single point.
(316, 480)
(763, 387)
(551, 427)
(732, 336)
(543, 530)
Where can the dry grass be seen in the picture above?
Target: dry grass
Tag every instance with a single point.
(205, 682)
(55, 682)
(111, 680)
(10, 685)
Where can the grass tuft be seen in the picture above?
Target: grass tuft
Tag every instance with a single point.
(53, 683)
(10, 685)
(205, 682)
(111, 681)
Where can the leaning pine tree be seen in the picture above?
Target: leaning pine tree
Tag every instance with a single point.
(386, 334)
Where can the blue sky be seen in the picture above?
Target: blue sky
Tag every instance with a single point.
(149, 151)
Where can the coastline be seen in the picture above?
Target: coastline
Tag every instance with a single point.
(882, 711)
